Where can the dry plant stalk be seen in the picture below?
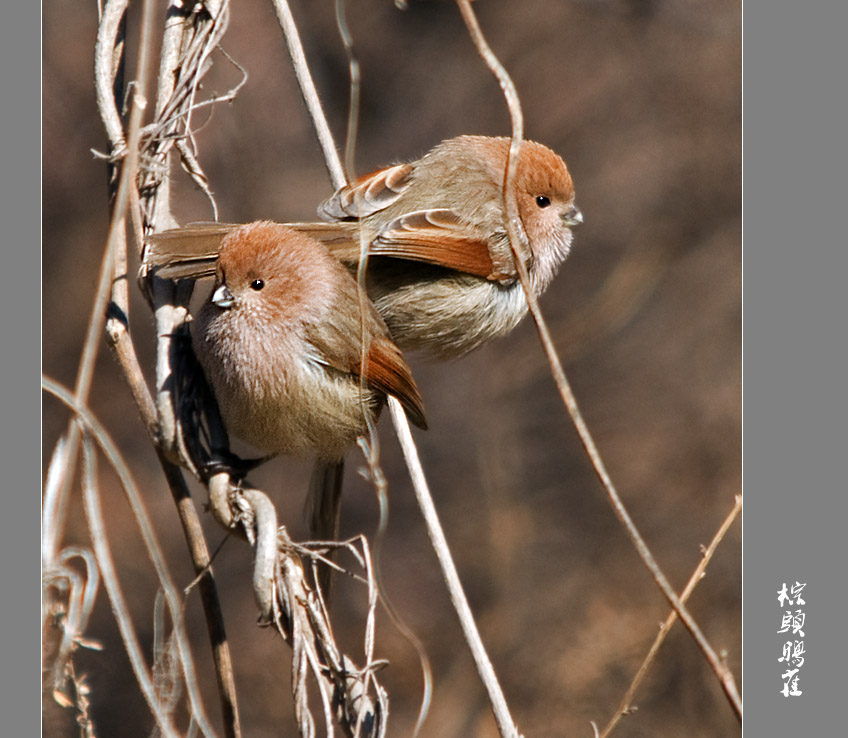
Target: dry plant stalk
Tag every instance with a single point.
(91, 431)
(183, 420)
(518, 243)
(506, 725)
(625, 707)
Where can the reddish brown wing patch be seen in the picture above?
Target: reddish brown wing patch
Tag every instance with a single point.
(368, 194)
(337, 345)
(436, 237)
(387, 371)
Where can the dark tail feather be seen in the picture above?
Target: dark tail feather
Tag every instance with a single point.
(325, 495)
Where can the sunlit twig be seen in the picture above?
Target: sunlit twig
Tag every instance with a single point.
(517, 239)
(696, 577)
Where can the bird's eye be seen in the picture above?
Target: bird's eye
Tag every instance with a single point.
(257, 284)
(543, 201)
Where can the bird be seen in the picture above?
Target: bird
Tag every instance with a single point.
(298, 364)
(441, 272)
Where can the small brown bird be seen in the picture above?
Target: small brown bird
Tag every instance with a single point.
(442, 273)
(280, 344)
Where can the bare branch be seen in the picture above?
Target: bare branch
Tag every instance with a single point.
(107, 36)
(107, 40)
(94, 517)
(159, 421)
(516, 237)
(506, 725)
(349, 695)
(355, 85)
(82, 591)
(625, 706)
(310, 93)
(151, 543)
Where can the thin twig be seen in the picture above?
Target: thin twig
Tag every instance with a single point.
(371, 448)
(107, 33)
(117, 324)
(58, 578)
(299, 614)
(94, 516)
(338, 179)
(301, 618)
(50, 508)
(310, 93)
(723, 674)
(122, 344)
(186, 47)
(386, 601)
(80, 701)
(506, 725)
(202, 562)
(266, 566)
(625, 707)
(154, 550)
(355, 85)
(401, 424)
(97, 319)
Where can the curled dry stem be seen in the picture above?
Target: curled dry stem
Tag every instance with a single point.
(351, 696)
(98, 531)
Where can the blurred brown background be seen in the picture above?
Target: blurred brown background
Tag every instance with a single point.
(642, 98)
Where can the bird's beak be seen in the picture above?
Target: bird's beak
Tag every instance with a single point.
(222, 297)
(572, 216)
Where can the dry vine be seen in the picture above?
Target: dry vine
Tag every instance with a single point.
(182, 420)
(518, 243)
(186, 430)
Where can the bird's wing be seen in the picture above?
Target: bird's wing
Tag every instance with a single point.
(367, 194)
(439, 237)
(188, 252)
(338, 346)
(387, 371)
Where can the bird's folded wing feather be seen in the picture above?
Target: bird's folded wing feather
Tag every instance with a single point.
(437, 237)
(387, 371)
(385, 368)
(368, 194)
